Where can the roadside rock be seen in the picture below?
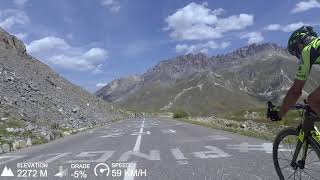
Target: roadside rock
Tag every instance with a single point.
(3, 119)
(251, 115)
(66, 133)
(30, 127)
(18, 130)
(23, 143)
(251, 125)
(75, 109)
(29, 142)
(243, 125)
(19, 144)
(10, 129)
(5, 148)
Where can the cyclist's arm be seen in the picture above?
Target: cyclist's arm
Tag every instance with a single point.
(296, 89)
(292, 96)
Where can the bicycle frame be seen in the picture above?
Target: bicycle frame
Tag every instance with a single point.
(304, 130)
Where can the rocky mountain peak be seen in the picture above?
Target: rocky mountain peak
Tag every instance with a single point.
(11, 42)
(191, 56)
(254, 49)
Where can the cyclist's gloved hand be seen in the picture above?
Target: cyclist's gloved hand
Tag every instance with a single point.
(273, 113)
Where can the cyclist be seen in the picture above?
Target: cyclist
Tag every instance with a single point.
(305, 45)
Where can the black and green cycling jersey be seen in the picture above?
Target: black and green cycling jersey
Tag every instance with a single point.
(310, 56)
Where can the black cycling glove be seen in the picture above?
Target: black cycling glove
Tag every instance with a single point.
(273, 113)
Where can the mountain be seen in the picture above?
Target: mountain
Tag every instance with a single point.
(119, 88)
(202, 85)
(33, 95)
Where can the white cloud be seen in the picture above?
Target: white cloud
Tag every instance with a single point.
(253, 37)
(56, 51)
(235, 22)
(305, 6)
(11, 17)
(201, 47)
(113, 5)
(198, 22)
(285, 28)
(100, 85)
(292, 27)
(273, 27)
(20, 2)
(225, 45)
(47, 44)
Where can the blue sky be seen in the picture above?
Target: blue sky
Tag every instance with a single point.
(92, 42)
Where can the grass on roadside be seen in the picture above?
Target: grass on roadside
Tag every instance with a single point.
(180, 114)
(209, 124)
(39, 140)
(292, 118)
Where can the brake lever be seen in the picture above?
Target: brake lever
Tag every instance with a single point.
(270, 105)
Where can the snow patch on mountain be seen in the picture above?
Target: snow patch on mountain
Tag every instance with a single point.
(169, 105)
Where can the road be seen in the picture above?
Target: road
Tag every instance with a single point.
(145, 148)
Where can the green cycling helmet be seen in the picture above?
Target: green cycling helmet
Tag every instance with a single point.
(302, 35)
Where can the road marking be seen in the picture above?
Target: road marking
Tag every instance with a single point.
(50, 159)
(140, 133)
(209, 138)
(62, 172)
(136, 149)
(177, 154)
(152, 124)
(103, 158)
(112, 135)
(138, 141)
(246, 147)
(182, 162)
(213, 153)
(217, 137)
(168, 131)
(153, 156)
(10, 158)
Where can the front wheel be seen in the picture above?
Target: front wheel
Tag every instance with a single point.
(284, 147)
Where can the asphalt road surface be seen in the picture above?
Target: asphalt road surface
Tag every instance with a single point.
(145, 148)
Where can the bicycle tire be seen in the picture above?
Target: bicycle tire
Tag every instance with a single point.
(281, 136)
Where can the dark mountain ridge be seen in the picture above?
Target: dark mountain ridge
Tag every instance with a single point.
(251, 74)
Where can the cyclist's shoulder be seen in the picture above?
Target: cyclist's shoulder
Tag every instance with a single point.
(315, 43)
(311, 52)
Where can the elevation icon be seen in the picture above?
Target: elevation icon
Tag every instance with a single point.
(7, 172)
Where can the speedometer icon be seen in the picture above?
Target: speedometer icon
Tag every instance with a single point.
(101, 169)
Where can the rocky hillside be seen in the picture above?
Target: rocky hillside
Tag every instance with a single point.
(35, 100)
(245, 78)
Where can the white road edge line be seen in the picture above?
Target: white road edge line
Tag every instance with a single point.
(132, 166)
(178, 154)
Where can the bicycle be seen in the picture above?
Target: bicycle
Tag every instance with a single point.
(306, 139)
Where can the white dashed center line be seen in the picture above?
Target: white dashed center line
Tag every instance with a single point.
(132, 166)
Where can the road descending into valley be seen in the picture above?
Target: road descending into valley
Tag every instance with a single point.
(145, 148)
